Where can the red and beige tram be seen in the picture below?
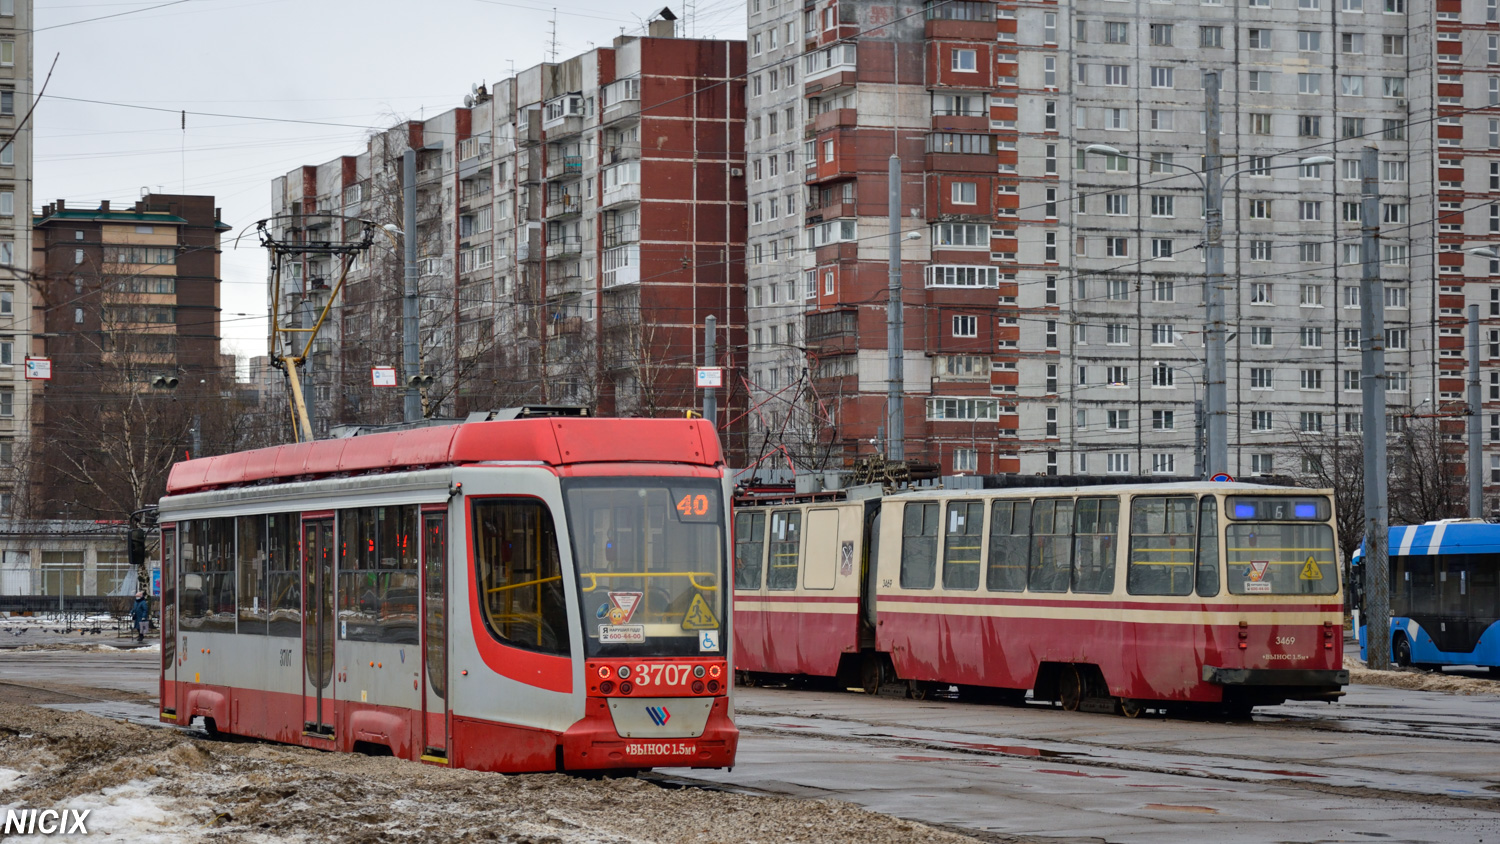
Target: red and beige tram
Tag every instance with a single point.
(533, 594)
(1098, 597)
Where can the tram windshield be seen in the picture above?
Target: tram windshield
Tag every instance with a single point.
(650, 556)
(1280, 546)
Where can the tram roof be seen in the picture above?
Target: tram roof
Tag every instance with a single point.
(550, 441)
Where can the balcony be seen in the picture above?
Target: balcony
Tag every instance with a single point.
(567, 205)
(621, 235)
(629, 192)
(620, 99)
(835, 118)
(564, 247)
(565, 167)
(622, 266)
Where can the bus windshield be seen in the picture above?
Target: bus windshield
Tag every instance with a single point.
(650, 557)
(1281, 559)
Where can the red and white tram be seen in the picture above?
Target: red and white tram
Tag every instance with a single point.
(1097, 597)
(533, 594)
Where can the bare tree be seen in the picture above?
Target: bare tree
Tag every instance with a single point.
(1336, 462)
(1427, 476)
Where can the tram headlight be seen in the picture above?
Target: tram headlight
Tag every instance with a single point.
(713, 671)
(604, 672)
(623, 672)
(698, 671)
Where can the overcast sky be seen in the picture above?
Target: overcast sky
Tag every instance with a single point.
(357, 64)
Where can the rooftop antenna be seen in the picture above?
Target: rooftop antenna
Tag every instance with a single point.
(552, 43)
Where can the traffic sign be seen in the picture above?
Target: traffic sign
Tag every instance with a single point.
(1222, 478)
(710, 377)
(38, 369)
(383, 376)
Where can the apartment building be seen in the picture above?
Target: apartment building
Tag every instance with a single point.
(128, 303)
(1055, 319)
(577, 222)
(16, 329)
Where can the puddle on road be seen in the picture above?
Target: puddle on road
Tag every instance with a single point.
(1169, 807)
(1081, 774)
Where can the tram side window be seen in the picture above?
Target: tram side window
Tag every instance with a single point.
(520, 574)
(378, 575)
(962, 545)
(749, 549)
(251, 551)
(1096, 535)
(1010, 538)
(786, 549)
(283, 575)
(919, 530)
(1208, 547)
(1162, 536)
(207, 588)
(1051, 544)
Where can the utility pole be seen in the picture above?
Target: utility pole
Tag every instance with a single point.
(412, 407)
(710, 395)
(1198, 439)
(1216, 374)
(1476, 488)
(1372, 383)
(895, 441)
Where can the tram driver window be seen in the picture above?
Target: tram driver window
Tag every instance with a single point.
(961, 545)
(749, 549)
(520, 574)
(786, 549)
(1051, 545)
(919, 530)
(1162, 536)
(1010, 537)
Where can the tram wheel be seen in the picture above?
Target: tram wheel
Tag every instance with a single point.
(1402, 652)
(1069, 688)
(1131, 708)
(918, 689)
(870, 675)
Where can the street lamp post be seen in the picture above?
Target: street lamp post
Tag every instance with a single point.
(1212, 180)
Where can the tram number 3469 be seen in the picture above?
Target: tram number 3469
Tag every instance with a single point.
(1286, 640)
(663, 675)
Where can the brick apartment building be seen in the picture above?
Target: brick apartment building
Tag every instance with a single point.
(125, 296)
(16, 328)
(1054, 301)
(576, 224)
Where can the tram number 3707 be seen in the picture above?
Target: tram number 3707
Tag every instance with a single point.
(663, 675)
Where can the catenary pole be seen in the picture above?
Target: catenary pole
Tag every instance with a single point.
(1476, 479)
(1216, 398)
(1372, 423)
(895, 445)
(710, 395)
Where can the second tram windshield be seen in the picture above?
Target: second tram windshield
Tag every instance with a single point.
(650, 556)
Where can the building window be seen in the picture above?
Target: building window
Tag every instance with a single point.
(965, 409)
(1117, 463)
(1117, 420)
(1312, 379)
(1210, 36)
(965, 460)
(1260, 378)
(966, 326)
(965, 193)
(1163, 420)
(1117, 376)
(964, 61)
(1163, 464)
(1260, 464)
(1311, 422)
(1260, 420)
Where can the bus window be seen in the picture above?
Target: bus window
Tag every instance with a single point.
(786, 549)
(1052, 544)
(1161, 546)
(1010, 537)
(919, 530)
(1208, 547)
(252, 574)
(749, 549)
(961, 545)
(1484, 586)
(1096, 534)
(519, 573)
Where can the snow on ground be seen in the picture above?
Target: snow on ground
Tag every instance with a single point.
(1422, 681)
(149, 785)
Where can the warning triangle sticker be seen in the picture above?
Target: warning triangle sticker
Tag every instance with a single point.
(1310, 570)
(1258, 569)
(625, 604)
(699, 616)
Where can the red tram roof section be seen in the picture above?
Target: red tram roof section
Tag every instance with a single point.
(552, 441)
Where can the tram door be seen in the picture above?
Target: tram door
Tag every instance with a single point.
(435, 635)
(317, 626)
(168, 610)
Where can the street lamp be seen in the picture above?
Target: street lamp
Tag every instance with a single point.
(1212, 180)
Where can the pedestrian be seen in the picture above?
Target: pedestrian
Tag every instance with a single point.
(140, 616)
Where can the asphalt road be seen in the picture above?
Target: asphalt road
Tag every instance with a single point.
(1383, 765)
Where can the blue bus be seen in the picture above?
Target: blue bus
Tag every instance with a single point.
(1445, 594)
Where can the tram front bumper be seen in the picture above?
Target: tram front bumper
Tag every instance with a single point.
(600, 742)
(1283, 677)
